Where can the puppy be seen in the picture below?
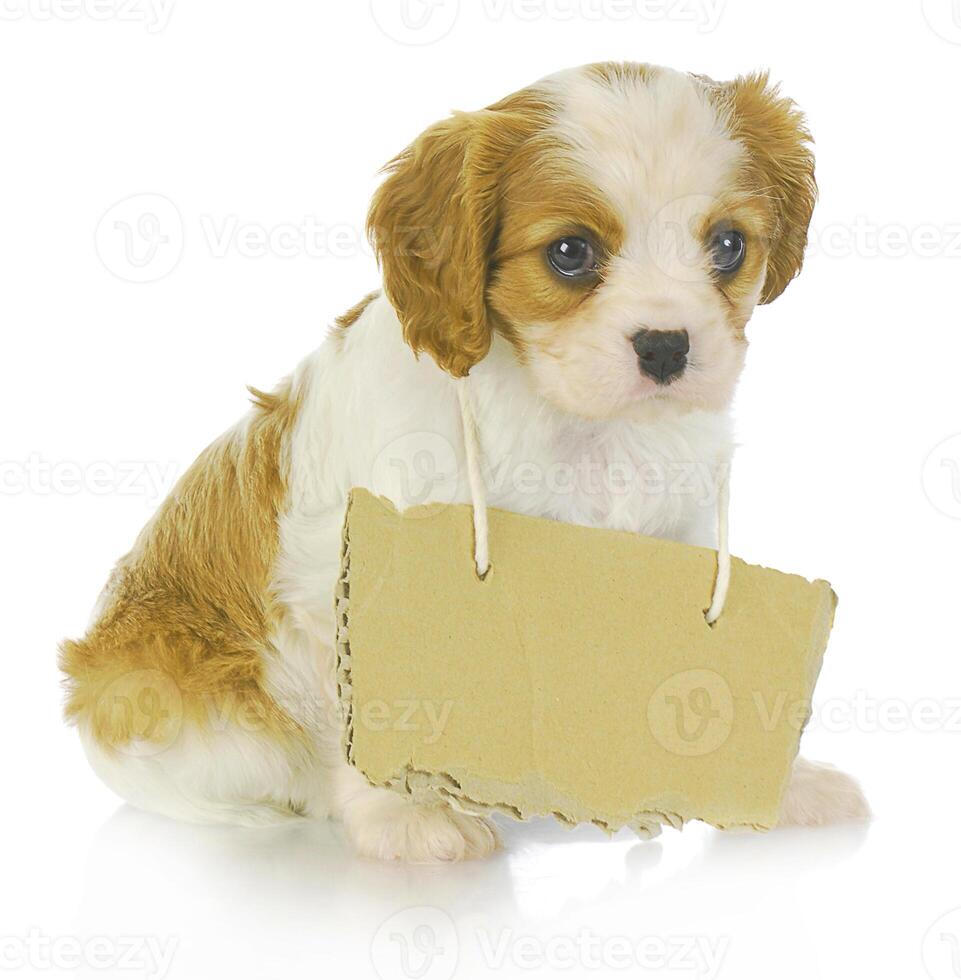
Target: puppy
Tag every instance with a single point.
(588, 251)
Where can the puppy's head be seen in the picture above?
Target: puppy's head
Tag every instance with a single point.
(616, 223)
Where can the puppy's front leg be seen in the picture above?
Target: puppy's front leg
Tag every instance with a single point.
(382, 824)
(819, 794)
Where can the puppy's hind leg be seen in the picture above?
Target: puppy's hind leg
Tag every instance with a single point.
(230, 776)
(819, 794)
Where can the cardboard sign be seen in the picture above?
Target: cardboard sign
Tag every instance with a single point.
(579, 679)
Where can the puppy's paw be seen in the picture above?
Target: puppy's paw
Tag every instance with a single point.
(819, 794)
(390, 828)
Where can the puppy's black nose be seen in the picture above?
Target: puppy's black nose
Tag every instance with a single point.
(661, 354)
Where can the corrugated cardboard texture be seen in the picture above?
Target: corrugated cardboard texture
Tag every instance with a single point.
(579, 679)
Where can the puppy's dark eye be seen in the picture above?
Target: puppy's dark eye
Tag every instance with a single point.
(572, 257)
(727, 251)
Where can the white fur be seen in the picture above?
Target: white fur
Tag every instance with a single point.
(228, 776)
(819, 794)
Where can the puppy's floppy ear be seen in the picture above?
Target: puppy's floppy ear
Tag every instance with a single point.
(433, 223)
(774, 132)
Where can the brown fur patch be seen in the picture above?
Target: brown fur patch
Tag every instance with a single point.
(741, 209)
(545, 197)
(187, 619)
(349, 318)
(781, 170)
(434, 224)
(615, 73)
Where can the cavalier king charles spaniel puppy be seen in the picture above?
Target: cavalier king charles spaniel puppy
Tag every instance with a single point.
(589, 251)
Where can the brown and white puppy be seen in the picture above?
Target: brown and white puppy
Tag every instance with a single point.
(589, 251)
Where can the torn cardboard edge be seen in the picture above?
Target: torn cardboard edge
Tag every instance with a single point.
(394, 559)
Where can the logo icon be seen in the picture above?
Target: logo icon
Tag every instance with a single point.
(941, 947)
(416, 468)
(944, 18)
(691, 713)
(141, 238)
(416, 22)
(941, 477)
(140, 713)
(672, 243)
(418, 943)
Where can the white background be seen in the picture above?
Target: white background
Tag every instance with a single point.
(240, 119)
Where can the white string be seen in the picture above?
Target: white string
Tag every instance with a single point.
(478, 496)
(723, 580)
(478, 493)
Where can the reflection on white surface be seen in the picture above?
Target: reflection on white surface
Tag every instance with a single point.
(293, 900)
